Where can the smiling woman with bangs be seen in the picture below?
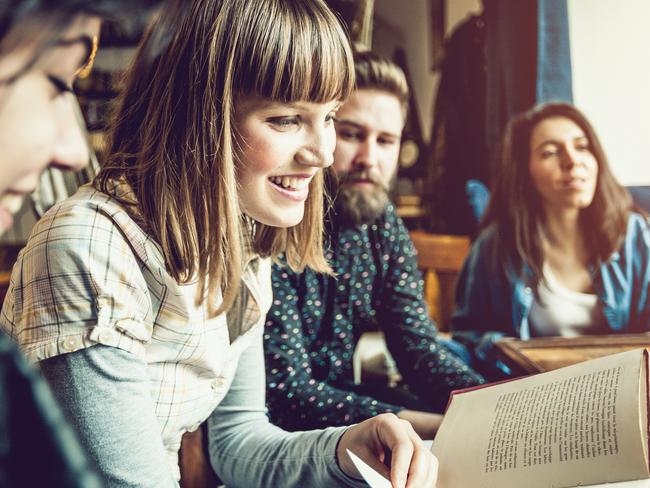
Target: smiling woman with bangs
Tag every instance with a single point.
(144, 295)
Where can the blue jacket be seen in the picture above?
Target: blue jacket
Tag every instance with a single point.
(491, 304)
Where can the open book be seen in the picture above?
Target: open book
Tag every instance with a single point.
(585, 424)
(582, 425)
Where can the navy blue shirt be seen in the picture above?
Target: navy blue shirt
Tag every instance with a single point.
(315, 323)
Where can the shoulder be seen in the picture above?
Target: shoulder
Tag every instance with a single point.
(390, 215)
(483, 257)
(637, 222)
(87, 219)
(638, 229)
(637, 236)
(486, 240)
(389, 223)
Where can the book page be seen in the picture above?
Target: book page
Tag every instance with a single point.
(623, 484)
(372, 477)
(578, 425)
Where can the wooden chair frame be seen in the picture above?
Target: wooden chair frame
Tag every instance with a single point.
(440, 257)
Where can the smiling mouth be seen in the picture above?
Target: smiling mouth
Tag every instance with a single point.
(575, 183)
(290, 183)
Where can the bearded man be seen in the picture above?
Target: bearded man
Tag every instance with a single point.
(316, 320)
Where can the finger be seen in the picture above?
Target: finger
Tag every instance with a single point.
(378, 459)
(423, 471)
(406, 466)
(434, 471)
(402, 448)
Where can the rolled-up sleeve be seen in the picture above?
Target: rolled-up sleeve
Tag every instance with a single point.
(68, 294)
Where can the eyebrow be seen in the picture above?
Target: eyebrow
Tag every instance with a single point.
(348, 122)
(83, 39)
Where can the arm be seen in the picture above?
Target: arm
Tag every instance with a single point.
(76, 284)
(104, 392)
(246, 450)
(639, 253)
(296, 400)
(428, 366)
(483, 312)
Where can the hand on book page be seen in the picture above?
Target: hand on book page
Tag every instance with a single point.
(392, 448)
(582, 425)
(372, 477)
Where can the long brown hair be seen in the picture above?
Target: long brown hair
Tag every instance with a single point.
(174, 138)
(516, 209)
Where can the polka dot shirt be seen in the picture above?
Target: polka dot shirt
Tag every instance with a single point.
(315, 322)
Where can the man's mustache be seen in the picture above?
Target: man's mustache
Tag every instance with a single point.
(365, 176)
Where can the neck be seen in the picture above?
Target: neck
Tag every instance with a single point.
(562, 230)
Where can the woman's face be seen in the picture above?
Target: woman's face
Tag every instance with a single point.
(562, 166)
(38, 125)
(282, 147)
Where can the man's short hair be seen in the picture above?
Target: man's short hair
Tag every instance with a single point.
(380, 73)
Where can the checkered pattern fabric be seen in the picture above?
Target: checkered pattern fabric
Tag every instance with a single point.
(90, 275)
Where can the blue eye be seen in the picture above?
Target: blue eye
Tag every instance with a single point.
(284, 122)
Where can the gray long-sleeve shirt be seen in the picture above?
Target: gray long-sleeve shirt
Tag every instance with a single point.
(105, 393)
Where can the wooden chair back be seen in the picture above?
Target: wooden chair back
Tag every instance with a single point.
(440, 258)
(194, 462)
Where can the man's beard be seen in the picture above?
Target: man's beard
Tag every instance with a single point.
(361, 205)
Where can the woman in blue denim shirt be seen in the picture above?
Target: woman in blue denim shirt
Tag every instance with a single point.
(563, 250)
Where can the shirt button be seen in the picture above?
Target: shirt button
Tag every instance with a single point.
(106, 336)
(71, 344)
(218, 383)
(528, 290)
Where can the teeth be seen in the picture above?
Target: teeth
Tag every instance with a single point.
(289, 182)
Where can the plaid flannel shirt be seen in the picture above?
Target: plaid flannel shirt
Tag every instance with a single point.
(89, 275)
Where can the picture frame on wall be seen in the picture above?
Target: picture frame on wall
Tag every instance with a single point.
(437, 30)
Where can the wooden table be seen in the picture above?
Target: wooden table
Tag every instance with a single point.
(545, 354)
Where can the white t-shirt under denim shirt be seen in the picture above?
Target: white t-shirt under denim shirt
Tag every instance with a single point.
(558, 311)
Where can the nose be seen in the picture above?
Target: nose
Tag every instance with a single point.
(70, 149)
(367, 154)
(570, 158)
(319, 148)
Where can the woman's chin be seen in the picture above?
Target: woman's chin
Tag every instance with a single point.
(283, 220)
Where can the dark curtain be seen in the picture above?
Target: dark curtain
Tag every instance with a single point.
(514, 55)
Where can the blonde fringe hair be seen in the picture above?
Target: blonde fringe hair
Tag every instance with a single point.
(173, 137)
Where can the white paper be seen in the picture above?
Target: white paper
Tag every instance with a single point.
(372, 477)
(623, 484)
